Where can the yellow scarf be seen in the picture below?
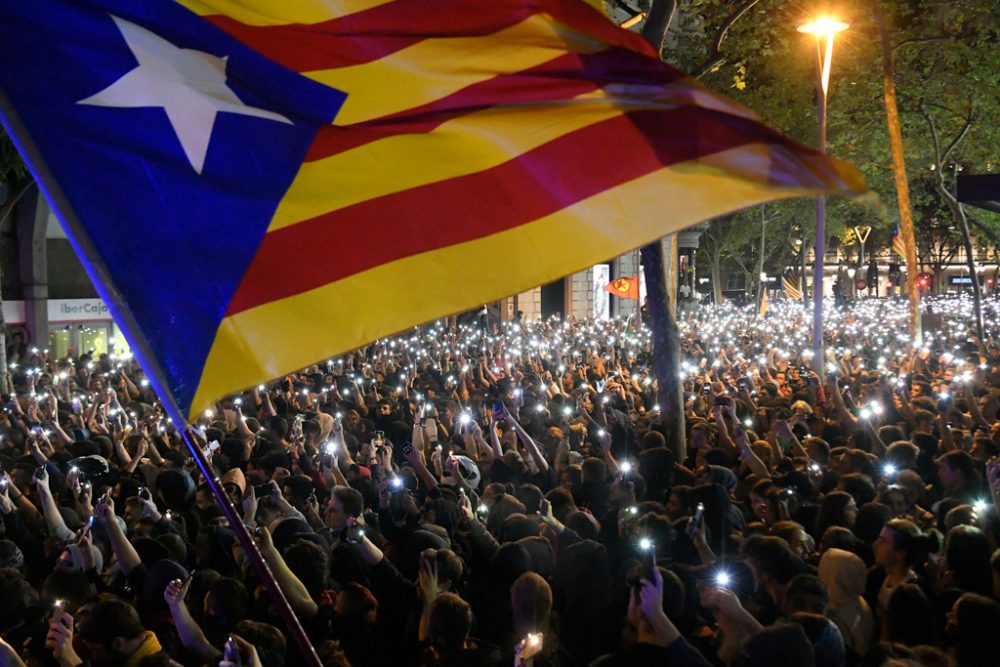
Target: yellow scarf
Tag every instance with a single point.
(150, 646)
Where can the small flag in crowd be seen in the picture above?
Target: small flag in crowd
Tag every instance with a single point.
(792, 288)
(259, 185)
(762, 309)
(626, 287)
(898, 244)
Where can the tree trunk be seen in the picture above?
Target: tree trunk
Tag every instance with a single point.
(666, 349)
(958, 211)
(715, 267)
(899, 172)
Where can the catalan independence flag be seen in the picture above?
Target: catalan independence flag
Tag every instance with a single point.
(256, 185)
(898, 244)
(792, 287)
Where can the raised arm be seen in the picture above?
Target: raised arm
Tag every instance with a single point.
(293, 588)
(125, 553)
(188, 630)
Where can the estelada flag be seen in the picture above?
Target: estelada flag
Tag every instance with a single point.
(257, 185)
(625, 287)
(898, 244)
(792, 287)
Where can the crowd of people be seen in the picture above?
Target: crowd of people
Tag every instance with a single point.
(464, 496)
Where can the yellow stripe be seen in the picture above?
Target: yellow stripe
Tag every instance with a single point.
(473, 143)
(434, 68)
(343, 315)
(279, 12)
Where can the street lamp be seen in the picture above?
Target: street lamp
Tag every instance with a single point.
(823, 29)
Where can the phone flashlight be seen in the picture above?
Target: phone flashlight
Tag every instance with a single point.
(645, 544)
(722, 579)
(980, 506)
(889, 470)
(625, 467)
(567, 411)
(397, 483)
(699, 512)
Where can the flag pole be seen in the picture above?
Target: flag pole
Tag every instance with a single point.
(140, 347)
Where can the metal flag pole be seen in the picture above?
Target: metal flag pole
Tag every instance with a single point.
(123, 316)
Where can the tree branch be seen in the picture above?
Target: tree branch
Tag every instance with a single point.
(654, 30)
(621, 4)
(15, 197)
(715, 57)
(970, 119)
(984, 228)
(919, 40)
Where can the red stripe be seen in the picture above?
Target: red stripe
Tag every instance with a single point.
(369, 35)
(374, 33)
(342, 243)
(561, 78)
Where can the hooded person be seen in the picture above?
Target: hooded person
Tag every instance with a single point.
(845, 576)
(724, 477)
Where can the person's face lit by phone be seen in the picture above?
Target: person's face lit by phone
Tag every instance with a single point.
(203, 500)
(335, 517)
(676, 509)
(896, 500)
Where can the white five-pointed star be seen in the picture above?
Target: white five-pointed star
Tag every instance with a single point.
(189, 85)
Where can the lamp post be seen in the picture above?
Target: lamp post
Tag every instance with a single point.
(823, 29)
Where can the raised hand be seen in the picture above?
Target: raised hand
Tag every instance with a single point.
(60, 639)
(176, 591)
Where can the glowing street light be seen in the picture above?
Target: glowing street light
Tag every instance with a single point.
(823, 29)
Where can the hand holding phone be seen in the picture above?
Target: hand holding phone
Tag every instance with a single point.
(231, 653)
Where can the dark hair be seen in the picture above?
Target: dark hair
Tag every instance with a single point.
(967, 553)
(516, 526)
(582, 524)
(910, 617)
(108, 620)
(872, 517)
(449, 623)
(960, 460)
(351, 499)
(310, 564)
(773, 557)
(977, 641)
(70, 585)
(831, 511)
(301, 486)
(230, 599)
(13, 589)
(859, 486)
(907, 537)
(803, 587)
